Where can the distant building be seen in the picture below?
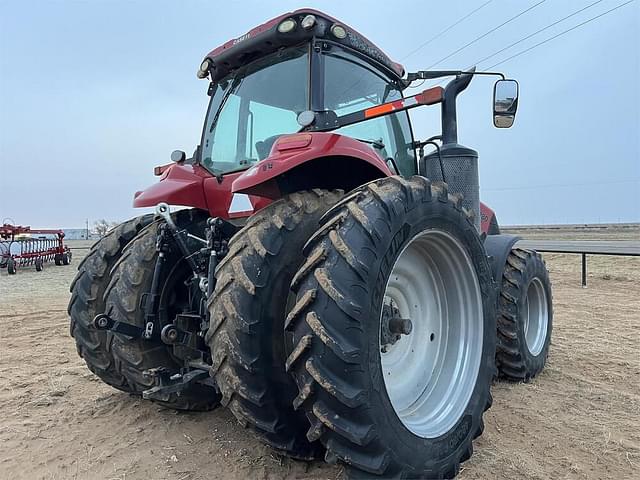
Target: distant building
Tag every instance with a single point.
(76, 234)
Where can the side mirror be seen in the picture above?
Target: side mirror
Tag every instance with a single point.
(505, 103)
(178, 156)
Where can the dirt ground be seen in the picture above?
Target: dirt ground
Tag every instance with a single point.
(580, 419)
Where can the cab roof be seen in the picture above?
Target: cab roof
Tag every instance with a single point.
(266, 38)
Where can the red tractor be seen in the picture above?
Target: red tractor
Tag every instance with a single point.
(338, 290)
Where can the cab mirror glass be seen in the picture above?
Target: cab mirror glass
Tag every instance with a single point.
(505, 103)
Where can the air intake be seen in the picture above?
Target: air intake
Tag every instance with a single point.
(460, 165)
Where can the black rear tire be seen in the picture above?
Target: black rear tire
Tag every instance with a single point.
(38, 264)
(11, 266)
(65, 259)
(336, 357)
(87, 290)
(130, 282)
(247, 311)
(57, 259)
(514, 357)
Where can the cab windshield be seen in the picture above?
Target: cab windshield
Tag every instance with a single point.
(252, 107)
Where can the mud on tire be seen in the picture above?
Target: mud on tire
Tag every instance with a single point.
(525, 316)
(336, 355)
(87, 290)
(131, 279)
(247, 311)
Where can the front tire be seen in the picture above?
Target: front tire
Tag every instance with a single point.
(525, 316)
(350, 388)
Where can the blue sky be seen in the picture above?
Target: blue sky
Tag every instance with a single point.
(94, 94)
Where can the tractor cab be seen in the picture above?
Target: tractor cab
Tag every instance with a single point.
(275, 79)
(304, 101)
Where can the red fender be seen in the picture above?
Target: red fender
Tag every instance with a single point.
(193, 186)
(486, 215)
(179, 184)
(291, 151)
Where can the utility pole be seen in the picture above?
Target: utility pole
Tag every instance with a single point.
(87, 229)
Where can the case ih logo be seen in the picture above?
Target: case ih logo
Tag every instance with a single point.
(242, 38)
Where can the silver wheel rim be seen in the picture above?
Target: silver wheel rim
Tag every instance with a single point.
(430, 373)
(536, 317)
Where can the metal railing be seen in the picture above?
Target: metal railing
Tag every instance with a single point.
(630, 248)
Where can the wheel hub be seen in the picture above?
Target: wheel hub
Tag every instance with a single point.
(431, 362)
(392, 326)
(535, 317)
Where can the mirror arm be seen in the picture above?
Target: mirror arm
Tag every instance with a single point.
(433, 74)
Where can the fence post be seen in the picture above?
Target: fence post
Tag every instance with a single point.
(584, 270)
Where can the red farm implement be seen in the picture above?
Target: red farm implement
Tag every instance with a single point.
(23, 247)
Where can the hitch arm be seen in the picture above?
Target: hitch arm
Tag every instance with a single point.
(162, 210)
(103, 321)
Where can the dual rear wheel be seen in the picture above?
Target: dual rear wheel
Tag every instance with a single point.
(389, 330)
(87, 301)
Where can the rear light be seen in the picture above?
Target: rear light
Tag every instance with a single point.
(287, 25)
(291, 142)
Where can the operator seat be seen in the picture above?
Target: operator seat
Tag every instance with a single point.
(263, 147)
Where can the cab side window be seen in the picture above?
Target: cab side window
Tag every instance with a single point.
(352, 84)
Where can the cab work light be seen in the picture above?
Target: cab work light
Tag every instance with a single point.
(287, 25)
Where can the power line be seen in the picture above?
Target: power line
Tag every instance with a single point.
(559, 34)
(421, 46)
(537, 32)
(485, 34)
(550, 38)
